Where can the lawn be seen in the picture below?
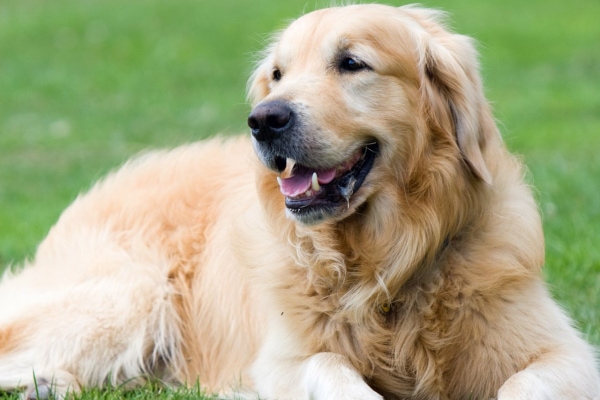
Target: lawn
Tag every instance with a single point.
(84, 84)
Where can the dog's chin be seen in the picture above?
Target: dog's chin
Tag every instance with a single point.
(320, 214)
(313, 196)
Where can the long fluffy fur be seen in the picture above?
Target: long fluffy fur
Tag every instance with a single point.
(183, 264)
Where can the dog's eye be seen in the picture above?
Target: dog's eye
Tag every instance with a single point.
(276, 74)
(350, 64)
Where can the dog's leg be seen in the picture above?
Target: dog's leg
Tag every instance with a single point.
(288, 368)
(322, 376)
(114, 328)
(564, 368)
(331, 376)
(37, 384)
(566, 374)
(109, 339)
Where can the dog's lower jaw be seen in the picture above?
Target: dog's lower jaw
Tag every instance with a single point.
(304, 219)
(312, 217)
(329, 214)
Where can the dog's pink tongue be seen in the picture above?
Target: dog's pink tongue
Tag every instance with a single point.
(296, 184)
(301, 180)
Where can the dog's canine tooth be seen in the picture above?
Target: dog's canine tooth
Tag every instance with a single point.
(279, 181)
(289, 167)
(315, 182)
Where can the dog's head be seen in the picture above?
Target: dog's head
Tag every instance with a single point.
(352, 101)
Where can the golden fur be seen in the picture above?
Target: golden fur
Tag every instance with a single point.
(185, 265)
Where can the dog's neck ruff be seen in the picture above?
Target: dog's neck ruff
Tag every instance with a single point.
(387, 306)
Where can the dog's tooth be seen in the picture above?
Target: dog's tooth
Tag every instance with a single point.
(315, 182)
(289, 168)
(279, 181)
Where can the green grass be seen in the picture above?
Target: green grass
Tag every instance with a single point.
(84, 84)
(150, 391)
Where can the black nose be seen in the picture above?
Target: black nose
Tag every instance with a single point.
(269, 120)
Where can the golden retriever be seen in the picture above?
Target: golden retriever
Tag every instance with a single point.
(385, 246)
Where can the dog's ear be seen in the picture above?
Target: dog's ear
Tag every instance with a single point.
(452, 93)
(257, 87)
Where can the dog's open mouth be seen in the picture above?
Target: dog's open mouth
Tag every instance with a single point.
(307, 190)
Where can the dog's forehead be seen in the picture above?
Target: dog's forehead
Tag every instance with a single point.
(322, 32)
(368, 31)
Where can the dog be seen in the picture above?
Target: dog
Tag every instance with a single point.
(383, 244)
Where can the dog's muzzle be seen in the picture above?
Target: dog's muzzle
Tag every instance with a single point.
(313, 190)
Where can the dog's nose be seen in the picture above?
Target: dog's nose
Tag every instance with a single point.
(269, 120)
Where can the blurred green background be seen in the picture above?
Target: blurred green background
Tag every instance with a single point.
(84, 84)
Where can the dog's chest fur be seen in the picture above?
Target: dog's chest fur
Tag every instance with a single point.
(406, 349)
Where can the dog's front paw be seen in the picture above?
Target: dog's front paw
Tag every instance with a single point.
(532, 384)
(331, 377)
(59, 387)
(40, 390)
(524, 385)
(352, 392)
